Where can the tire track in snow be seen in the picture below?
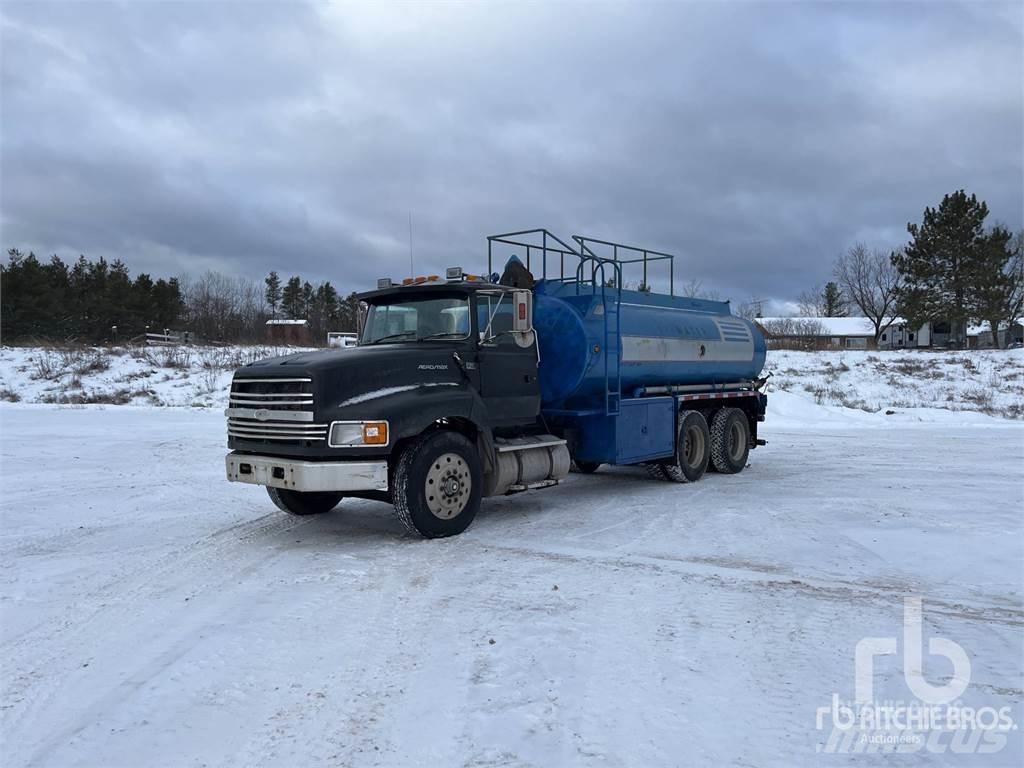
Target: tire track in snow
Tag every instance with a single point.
(37, 661)
(748, 576)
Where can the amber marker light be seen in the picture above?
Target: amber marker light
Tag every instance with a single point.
(375, 433)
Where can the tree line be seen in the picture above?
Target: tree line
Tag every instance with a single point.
(953, 270)
(88, 300)
(96, 302)
(322, 306)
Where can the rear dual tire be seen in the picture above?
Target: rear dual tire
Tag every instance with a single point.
(730, 440)
(693, 450)
(724, 446)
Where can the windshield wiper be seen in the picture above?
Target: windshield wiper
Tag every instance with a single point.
(456, 334)
(393, 336)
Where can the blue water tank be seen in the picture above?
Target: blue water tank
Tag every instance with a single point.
(663, 341)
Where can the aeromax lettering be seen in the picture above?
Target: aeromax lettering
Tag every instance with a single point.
(433, 367)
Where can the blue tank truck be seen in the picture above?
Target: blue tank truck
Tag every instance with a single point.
(465, 386)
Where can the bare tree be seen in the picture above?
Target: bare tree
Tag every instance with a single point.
(870, 282)
(223, 308)
(793, 332)
(812, 302)
(694, 289)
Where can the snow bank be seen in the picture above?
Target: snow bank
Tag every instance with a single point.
(853, 388)
(914, 384)
(158, 376)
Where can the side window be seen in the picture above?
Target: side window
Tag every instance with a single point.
(456, 320)
(498, 314)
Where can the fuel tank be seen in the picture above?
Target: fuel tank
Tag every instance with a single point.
(663, 340)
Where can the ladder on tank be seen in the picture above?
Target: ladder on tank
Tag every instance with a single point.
(612, 323)
(613, 378)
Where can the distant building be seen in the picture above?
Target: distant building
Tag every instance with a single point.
(858, 333)
(840, 333)
(1007, 336)
(289, 332)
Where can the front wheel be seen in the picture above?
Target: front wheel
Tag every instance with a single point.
(302, 503)
(587, 467)
(438, 484)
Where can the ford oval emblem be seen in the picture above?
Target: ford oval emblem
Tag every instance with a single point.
(262, 414)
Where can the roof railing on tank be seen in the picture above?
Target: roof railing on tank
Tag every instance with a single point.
(597, 265)
(645, 255)
(549, 244)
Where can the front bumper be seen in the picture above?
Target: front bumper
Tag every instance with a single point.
(307, 475)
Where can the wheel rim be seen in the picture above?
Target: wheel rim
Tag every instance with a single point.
(693, 446)
(448, 486)
(737, 441)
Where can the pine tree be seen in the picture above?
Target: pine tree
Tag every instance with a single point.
(77, 297)
(939, 266)
(997, 292)
(323, 315)
(307, 299)
(348, 314)
(832, 301)
(141, 309)
(168, 305)
(118, 303)
(273, 294)
(25, 283)
(291, 299)
(59, 321)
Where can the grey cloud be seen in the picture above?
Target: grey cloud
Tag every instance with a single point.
(754, 140)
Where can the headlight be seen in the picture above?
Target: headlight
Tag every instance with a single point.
(349, 434)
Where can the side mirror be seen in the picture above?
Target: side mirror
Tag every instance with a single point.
(522, 311)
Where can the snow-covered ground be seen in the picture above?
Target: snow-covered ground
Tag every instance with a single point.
(192, 376)
(153, 614)
(983, 381)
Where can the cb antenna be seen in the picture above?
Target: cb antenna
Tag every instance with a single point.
(412, 271)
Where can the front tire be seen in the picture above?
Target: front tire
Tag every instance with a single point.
(438, 484)
(730, 440)
(587, 467)
(303, 503)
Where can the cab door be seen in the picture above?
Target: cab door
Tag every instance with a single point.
(508, 371)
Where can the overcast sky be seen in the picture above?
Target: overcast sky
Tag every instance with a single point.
(754, 140)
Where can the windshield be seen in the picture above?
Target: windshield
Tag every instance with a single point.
(415, 319)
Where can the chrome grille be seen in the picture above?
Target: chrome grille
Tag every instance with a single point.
(273, 394)
(251, 429)
(273, 409)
